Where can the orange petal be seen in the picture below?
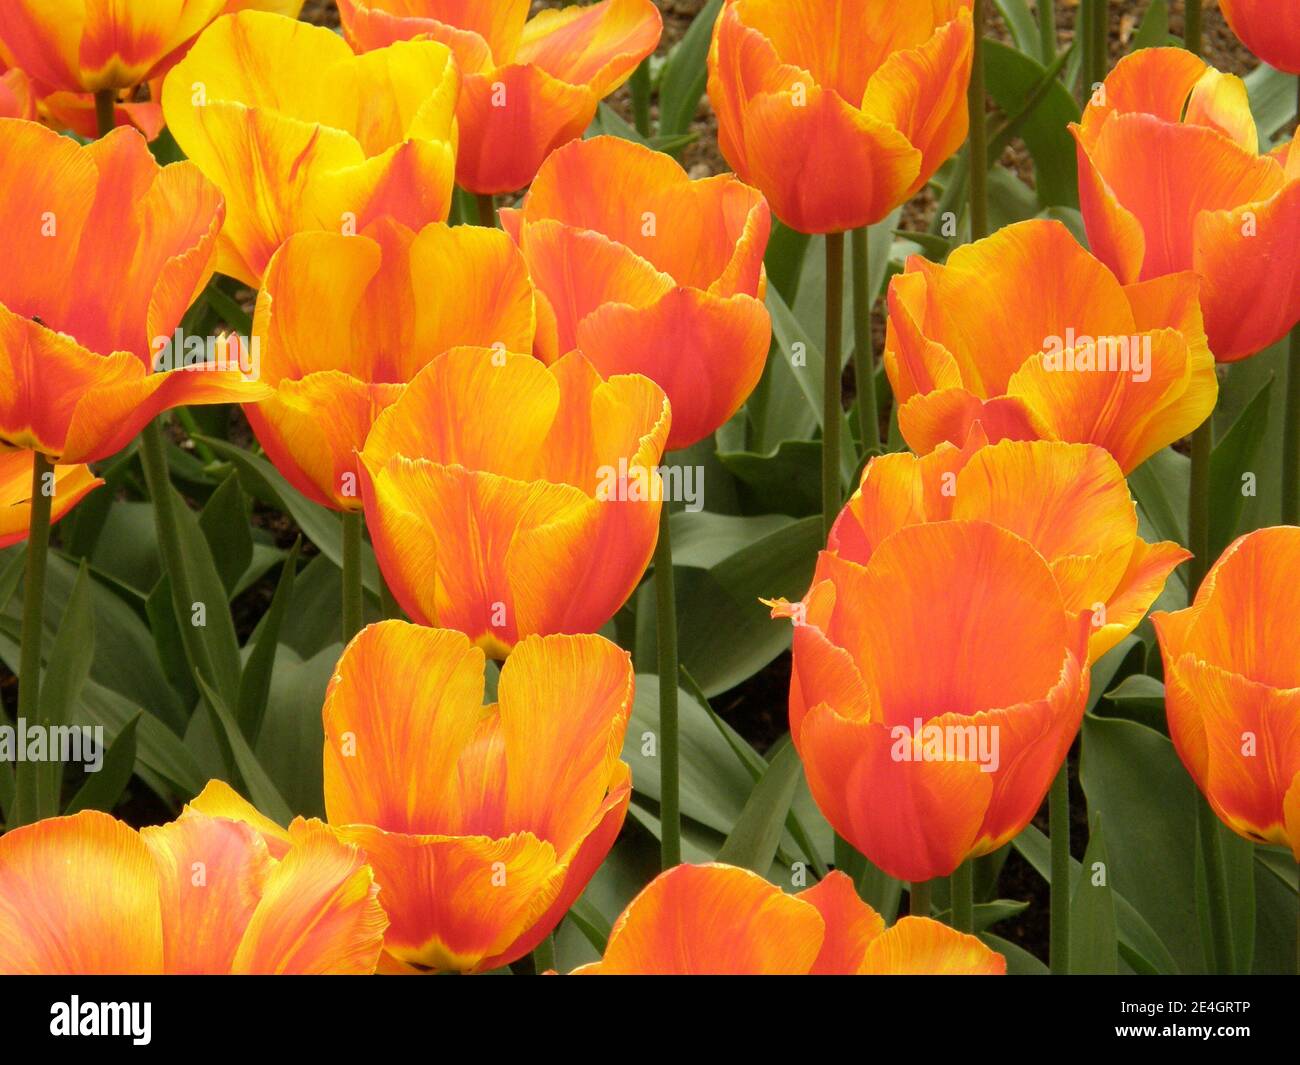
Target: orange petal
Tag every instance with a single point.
(918, 946)
(1144, 579)
(1152, 81)
(1219, 101)
(951, 415)
(219, 800)
(597, 45)
(713, 920)
(17, 99)
(494, 28)
(851, 925)
(71, 485)
(1268, 28)
(78, 896)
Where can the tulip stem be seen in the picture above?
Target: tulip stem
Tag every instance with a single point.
(1058, 829)
(1192, 26)
(639, 85)
(1198, 507)
(487, 210)
(918, 899)
(1219, 952)
(105, 111)
(832, 408)
(979, 134)
(864, 356)
(1097, 50)
(27, 797)
(670, 816)
(1047, 31)
(961, 886)
(353, 596)
(544, 956)
(1291, 445)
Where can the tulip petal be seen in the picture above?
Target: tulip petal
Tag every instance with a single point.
(71, 485)
(597, 45)
(1144, 579)
(1150, 81)
(1219, 101)
(43, 37)
(851, 925)
(918, 946)
(1268, 29)
(951, 415)
(219, 800)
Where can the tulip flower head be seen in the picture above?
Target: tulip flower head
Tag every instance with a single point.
(840, 110)
(507, 498)
(1171, 179)
(207, 893)
(530, 85)
(17, 95)
(1029, 335)
(719, 920)
(646, 271)
(344, 322)
(300, 133)
(935, 692)
(107, 252)
(483, 824)
(1269, 28)
(1232, 686)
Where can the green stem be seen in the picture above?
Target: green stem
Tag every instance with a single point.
(1047, 31)
(1198, 507)
(979, 136)
(353, 596)
(670, 814)
(832, 408)
(487, 210)
(544, 956)
(1058, 826)
(639, 84)
(1219, 952)
(918, 901)
(27, 783)
(864, 357)
(153, 458)
(961, 886)
(105, 111)
(1192, 26)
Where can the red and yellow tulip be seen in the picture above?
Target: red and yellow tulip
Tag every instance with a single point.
(107, 251)
(483, 824)
(936, 690)
(1031, 337)
(530, 85)
(1269, 28)
(71, 484)
(648, 272)
(343, 323)
(1232, 686)
(88, 894)
(1171, 179)
(840, 110)
(17, 95)
(1070, 501)
(507, 498)
(300, 133)
(720, 920)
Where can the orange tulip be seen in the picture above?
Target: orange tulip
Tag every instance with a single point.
(507, 498)
(344, 322)
(840, 110)
(1171, 179)
(300, 133)
(88, 894)
(71, 484)
(483, 824)
(107, 251)
(1232, 686)
(1070, 501)
(17, 96)
(935, 693)
(1028, 335)
(1269, 28)
(649, 272)
(531, 85)
(719, 920)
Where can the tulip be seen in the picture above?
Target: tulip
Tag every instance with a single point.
(531, 85)
(1171, 179)
(71, 484)
(719, 920)
(343, 323)
(483, 824)
(1087, 359)
(301, 134)
(17, 96)
(107, 251)
(1232, 686)
(507, 498)
(1069, 501)
(839, 110)
(1269, 28)
(89, 895)
(935, 692)
(648, 272)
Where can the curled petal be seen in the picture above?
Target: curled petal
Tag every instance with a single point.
(71, 485)
(851, 925)
(918, 946)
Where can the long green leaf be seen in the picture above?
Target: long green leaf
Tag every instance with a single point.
(102, 789)
(753, 841)
(255, 682)
(1094, 943)
(262, 792)
(685, 72)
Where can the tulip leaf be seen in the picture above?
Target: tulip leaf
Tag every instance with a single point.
(102, 790)
(1238, 857)
(785, 480)
(701, 540)
(1233, 472)
(224, 521)
(1154, 31)
(1160, 487)
(753, 842)
(685, 72)
(1140, 698)
(1019, 961)
(11, 574)
(261, 791)
(1272, 101)
(255, 681)
(292, 736)
(1093, 938)
(1024, 27)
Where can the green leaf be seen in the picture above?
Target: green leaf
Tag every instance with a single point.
(1272, 100)
(102, 790)
(785, 480)
(261, 791)
(224, 522)
(1160, 487)
(292, 736)
(1019, 961)
(228, 309)
(1234, 459)
(685, 72)
(1094, 942)
(1140, 698)
(701, 540)
(11, 574)
(1154, 31)
(753, 841)
(1023, 25)
(255, 681)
